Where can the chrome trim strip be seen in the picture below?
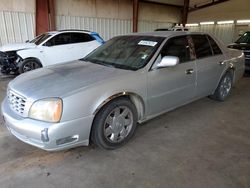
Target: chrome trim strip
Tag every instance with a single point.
(119, 95)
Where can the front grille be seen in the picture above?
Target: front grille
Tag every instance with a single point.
(16, 102)
(247, 51)
(247, 54)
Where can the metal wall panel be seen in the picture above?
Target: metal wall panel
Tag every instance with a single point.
(194, 29)
(16, 27)
(20, 26)
(106, 27)
(224, 32)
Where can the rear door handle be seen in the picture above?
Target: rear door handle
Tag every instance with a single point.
(189, 71)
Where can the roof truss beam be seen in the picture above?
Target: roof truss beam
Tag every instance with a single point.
(214, 2)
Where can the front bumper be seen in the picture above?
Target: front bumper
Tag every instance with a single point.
(32, 131)
(8, 63)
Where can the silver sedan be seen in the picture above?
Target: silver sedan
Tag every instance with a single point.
(128, 80)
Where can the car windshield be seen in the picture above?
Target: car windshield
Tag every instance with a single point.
(40, 39)
(126, 52)
(245, 38)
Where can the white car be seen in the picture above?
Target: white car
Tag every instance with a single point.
(48, 49)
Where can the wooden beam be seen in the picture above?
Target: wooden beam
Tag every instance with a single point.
(162, 4)
(41, 16)
(185, 12)
(52, 18)
(207, 5)
(135, 15)
(45, 16)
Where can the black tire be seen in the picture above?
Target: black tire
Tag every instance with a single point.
(223, 90)
(28, 65)
(107, 121)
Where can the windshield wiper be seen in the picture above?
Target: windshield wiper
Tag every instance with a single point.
(98, 62)
(109, 64)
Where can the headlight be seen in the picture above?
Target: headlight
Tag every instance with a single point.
(49, 110)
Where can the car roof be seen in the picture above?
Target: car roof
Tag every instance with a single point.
(167, 33)
(69, 30)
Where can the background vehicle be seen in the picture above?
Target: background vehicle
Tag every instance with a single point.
(175, 28)
(47, 49)
(243, 43)
(127, 80)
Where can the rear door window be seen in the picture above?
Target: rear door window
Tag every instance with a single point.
(80, 37)
(202, 46)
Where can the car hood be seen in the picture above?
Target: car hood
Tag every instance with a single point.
(240, 46)
(17, 46)
(62, 80)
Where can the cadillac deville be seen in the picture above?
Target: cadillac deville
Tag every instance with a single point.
(128, 80)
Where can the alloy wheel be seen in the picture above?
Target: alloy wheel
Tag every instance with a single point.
(225, 86)
(118, 124)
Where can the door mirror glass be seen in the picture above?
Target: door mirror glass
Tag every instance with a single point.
(168, 61)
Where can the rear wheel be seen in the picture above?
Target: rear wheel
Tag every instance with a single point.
(224, 87)
(114, 124)
(28, 65)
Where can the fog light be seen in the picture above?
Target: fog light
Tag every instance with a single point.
(44, 135)
(67, 139)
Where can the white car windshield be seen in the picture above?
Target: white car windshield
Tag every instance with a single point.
(126, 52)
(40, 39)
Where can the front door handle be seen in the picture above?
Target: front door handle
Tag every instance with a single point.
(189, 71)
(222, 62)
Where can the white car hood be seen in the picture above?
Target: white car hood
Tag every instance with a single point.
(17, 46)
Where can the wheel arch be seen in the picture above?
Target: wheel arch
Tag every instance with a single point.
(133, 97)
(30, 58)
(230, 69)
(31, 54)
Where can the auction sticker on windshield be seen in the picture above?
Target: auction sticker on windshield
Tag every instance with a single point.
(147, 43)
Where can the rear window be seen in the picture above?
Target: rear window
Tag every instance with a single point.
(202, 46)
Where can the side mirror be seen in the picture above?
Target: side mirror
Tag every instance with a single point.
(168, 61)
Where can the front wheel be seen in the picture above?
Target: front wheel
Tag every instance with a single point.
(114, 124)
(28, 65)
(224, 87)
